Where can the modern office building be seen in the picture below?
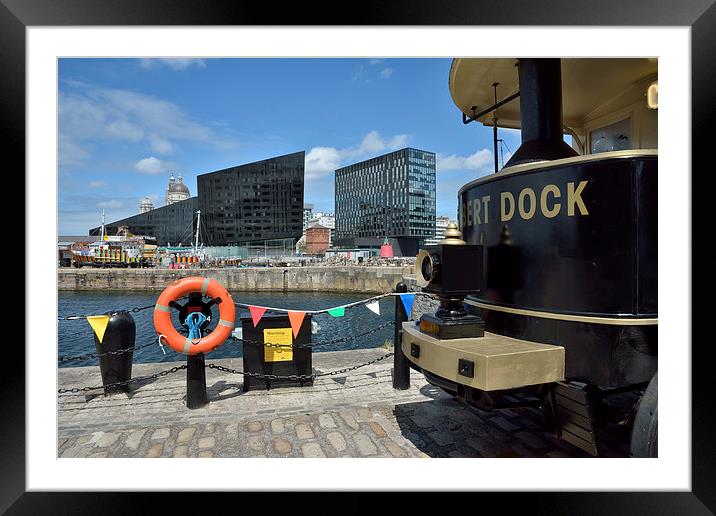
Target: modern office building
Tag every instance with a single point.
(254, 202)
(441, 223)
(387, 197)
(307, 215)
(170, 225)
(258, 205)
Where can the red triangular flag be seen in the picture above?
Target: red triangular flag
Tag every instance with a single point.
(257, 312)
(296, 319)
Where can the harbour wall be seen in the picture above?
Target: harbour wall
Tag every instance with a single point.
(277, 279)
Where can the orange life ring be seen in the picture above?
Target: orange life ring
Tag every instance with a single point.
(180, 288)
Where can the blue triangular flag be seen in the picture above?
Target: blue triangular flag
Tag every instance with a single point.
(407, 302)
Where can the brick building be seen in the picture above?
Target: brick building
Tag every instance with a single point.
(317, 239)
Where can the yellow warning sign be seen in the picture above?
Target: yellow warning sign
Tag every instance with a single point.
(283, 336)
(99, 325)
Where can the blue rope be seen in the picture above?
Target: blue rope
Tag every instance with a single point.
(193, 321)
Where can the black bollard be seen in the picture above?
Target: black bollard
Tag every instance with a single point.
(401, 370)
(195, 381)
(119, 335)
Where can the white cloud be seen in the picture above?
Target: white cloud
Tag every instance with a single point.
(385, 73)
(375, 61)
(97, 184)
(160, 145)
(111, 204)
(89, 114)
(70, 153)
(479, 160)
(152, 165)
(175, 63)
(321, 161)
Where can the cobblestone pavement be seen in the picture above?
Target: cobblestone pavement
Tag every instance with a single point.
(358, 414)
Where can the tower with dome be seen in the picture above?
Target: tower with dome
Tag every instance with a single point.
(176, 191)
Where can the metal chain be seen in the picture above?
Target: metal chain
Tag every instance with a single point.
(139, 309)
(295, 376)
(111, 312)
(97, 355)
(316, 344)
(126, 382)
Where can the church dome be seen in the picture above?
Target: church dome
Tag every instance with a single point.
(178, 186)
(176, 191)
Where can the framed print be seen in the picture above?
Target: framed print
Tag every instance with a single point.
(46, 48)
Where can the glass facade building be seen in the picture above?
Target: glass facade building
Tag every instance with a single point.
(253, 202)
(252, 205)
(390, 196)
(170, 225)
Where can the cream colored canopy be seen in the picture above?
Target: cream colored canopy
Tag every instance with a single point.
(587, 85)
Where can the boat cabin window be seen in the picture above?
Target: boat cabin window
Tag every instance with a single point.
(613, 137)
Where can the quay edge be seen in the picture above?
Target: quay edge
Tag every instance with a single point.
(364, 279)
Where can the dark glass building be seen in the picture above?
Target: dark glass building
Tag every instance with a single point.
(254, 202)
(390, 196)
(170, 225)
(246, 204)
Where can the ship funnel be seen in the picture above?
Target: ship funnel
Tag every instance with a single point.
(540, 112)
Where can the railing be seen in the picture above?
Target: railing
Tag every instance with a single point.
(401, 373)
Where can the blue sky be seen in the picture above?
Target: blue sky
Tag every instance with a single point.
(126, 124)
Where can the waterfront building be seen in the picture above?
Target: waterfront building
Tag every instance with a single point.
(254, 202)
(327, 220)
(387, 197)
(307, 215)
(176, 191)
(257, 205)
(317, 239)
(170, 225)
(146, 205)
(441, 223)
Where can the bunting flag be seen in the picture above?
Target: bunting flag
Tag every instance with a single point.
(99, 325)
(407, 302)
(296, 319)
(374, 307)
(338, 312)
(257, 312)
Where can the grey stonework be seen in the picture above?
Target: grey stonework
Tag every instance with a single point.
(358, 414)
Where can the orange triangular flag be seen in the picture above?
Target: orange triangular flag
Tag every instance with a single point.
(296, 319)
(257, 312)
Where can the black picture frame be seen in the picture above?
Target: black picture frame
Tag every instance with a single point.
(699, 15)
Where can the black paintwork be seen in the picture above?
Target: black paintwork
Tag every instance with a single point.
(540, 112)
(118, 336)
(600, 264)
(254, 362)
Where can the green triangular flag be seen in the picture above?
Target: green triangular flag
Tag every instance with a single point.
(338, 312)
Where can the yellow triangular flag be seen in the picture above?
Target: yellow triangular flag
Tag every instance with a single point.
(99, 325)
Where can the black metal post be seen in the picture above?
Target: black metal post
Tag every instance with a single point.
(195, 381)
(540, 112)
(118, 336)
(494, 128)
(401, 370)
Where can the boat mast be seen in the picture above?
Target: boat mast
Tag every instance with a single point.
(102, 232)
(198, 223)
